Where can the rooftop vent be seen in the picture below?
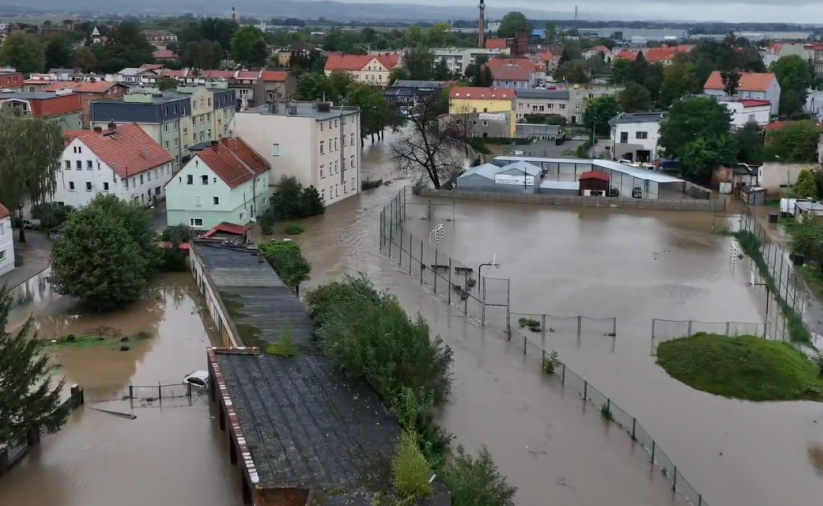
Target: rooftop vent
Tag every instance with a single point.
(323, 107)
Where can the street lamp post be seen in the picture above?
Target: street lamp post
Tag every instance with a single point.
(768, 297)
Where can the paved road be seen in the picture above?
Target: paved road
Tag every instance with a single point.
(34, 253)
(548, 149)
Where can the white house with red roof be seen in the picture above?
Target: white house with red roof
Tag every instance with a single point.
(123, 161)
(752, 85)
(369, 68)
(749, 111)
(225, 182)
(6, 242)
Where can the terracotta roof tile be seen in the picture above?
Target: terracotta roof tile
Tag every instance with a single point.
(749, 81)
(660, 54)
(626, 55)
(231, 160)
(481, 93)
(248, 75)
(754, 103)
(4, 212)
(128, 150)
(546, 56)
(273, 76)
(81, 86)
(496, 44)
(524, 63)
(164, 54)
(174, 73)
(151, 66)
(510, 73)
(356, 62)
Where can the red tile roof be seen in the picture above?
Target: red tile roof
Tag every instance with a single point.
(496, 44)
(481, 94)
(525, 63)
(600, 49)
(356, 62)
(233, 161)
(81, 86)
(510, 73)
(162, 54)
(594, 174)
(152, 66)
(273, 76)
(4, 212)
(174, 73)
(660, 54)
(755, 103)
(128, 150)
(626, 55)
(749, 81)
(215, 74)
(248, 75)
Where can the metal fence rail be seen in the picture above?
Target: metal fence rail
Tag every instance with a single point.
(666, 330)
(582, 327)
(614, 413)
(130, 392)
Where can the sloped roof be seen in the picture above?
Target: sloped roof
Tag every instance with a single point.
(161, 54)
(128, 150)
(546, 56)
(487, 170)
(82, 86)
(233, 161)
(4, 212)
(273, 76)
(626, 55)
(749, 81)
(356, 62)
(521, 166)
(510, 73)
(481, 93)
(660, 54)
(496, 44)
(525, 63)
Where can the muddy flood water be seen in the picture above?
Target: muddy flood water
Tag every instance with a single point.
(565, 262)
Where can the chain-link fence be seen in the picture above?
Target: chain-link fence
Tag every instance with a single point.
(591, 396)
(485, 300)
(775, 267)
(666, 330)
(581, 328)
(145, 395)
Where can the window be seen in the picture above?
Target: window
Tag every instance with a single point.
(352, 139)
(148, 177)
(174, 126)
(641, 135)
(337, 190)
(167, 145)
(576, 107)
(321, 127)
(105, 187)
(126, 183)
(2, 255)
(335, 143)
(275, 150)
(98, 164)
(624, 137)
(321, 172)
(204, 179)
(354, 183)
(241, 216)
(78, 164)
(176, 143)
(71, 185)
(195, 222)
(352, 161)
(166, 128)
(189, 179)
(336, 167)
(68, 164)
(88, 186)
(323, 194)
(335, 123)
(216, 200)
(322, 144)
(77, 149)
(141, 178)
(561, 106)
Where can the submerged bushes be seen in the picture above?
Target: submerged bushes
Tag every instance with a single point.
(369, 334)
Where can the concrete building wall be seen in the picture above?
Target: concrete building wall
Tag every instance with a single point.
(6, 246)
(774, 176)
(634, 136)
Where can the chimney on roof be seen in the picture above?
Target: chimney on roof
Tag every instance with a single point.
(98, 129)
(214, 145)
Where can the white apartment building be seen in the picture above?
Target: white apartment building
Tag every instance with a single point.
(6, 242)
(749, 111)
(125, 162)
(459, 58)
(634, 136)
(317, 143)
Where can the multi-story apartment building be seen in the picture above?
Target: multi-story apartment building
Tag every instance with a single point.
(176, 120)
(485, 107)
(10, 79)
(63, 107)
(778, 50)
(753, 85)
(317, 143)
(458, 59)
(123, 161)
(160, 38)
(568, 101)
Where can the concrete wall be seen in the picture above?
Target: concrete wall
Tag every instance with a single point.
(6, 246)
(713, 205)
(773, 176)
(214, 305)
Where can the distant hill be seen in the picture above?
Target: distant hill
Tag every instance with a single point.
(302, 9)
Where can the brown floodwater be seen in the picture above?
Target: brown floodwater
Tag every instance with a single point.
(169, 454)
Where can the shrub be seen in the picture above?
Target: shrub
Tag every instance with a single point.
(294, 229)
(805, 187)
(370, 184)
(551, 363)
(287, 261)
(50, 214)
(285, 348)
(413, 411)
(410, 469)
(606, 412)
(476, 481)
(291, 201)
(530, 323)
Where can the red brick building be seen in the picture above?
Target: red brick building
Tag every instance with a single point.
(64, 107)
(11, 80)
(89, 92)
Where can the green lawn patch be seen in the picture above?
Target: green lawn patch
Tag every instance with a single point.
(96, 340)
(746, 367)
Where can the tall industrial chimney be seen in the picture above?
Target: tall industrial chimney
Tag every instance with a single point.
(233, 15)
(481, 39)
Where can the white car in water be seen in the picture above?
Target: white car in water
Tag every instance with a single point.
(197, 379)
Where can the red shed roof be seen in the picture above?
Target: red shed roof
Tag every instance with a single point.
(594, 174)
(4, 212)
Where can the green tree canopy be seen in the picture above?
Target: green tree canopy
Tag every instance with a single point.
(679, 79)
(750, 148)
(59, 53)
(249, 48)
(105, 254)
(635, 98)
(30, 400)
(598, 113)
(25, 52)
(125, 46)
(203, 54)
(621, 71)
(513, 22)
(313, 86)
(794, 142)
(690, 119)
(167, 83)
(287, 261)
(419, 62)
(792, 74)
(573, 71)
(702, 156)
(805, 187)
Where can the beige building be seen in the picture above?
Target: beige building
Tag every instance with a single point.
(317, 143)
(372, 69)
(569, 102)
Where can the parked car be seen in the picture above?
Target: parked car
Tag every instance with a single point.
(197, 379)
(637, 193)
(614, 192)
(31, 224)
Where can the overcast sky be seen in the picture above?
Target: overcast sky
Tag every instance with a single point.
(764, 11)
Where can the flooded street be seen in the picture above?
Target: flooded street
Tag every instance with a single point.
(167, 455)
(600, 263)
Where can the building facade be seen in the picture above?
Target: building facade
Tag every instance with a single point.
(124, 161)
(458, 59)
(753, 85)
(6, 241)
(10, 79)
(316, 143)
(749, 111)
(471, 101)
(634, 136)
(224, 182)
(62, 107)
(273, 85)
(371, 69)
(88, 92)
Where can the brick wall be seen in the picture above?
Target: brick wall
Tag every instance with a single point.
(281, 497)
(713, 205)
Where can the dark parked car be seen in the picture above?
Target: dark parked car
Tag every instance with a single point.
(637, 193)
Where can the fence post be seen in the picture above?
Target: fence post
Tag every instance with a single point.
(585, 390)
(436, 268)
(727, 328)
(689, 331)
(634, 429)
(674, 480)
(483, 314)
(579, 329)
(466, 289)
(391, 238)
(159, 391)
(543, 328)
(653, 445)
(131, 391)
(449, 291)
(382, 221)
(400, 261)
(699, 500)
(525, 344)
(422, 265)
(563, 376)
(654, 322)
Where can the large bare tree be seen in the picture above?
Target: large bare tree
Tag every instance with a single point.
(30, 151)
(429, 146)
